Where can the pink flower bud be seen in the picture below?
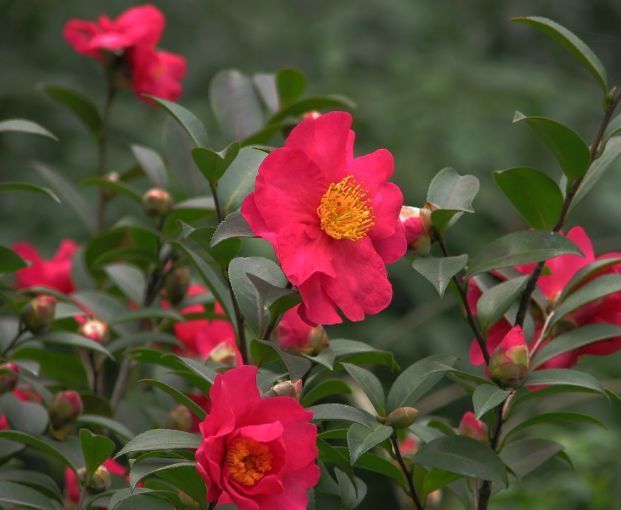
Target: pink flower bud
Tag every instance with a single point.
(65, 408)
(177, 284)
(38, 314)
(508, 364)
(409, 446)
(287, 389)
(157, 202)
(401, 418)
(470, 427)
(296, 335)
(95, 330)
(416, 224)
(8, 377)
(224, 353)
(180, 418)
(101, 480)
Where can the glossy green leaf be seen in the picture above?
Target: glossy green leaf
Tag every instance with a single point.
(536, 197)
(239, 179)
(28, 417)
(234, 225)
(142, 501)
(437, 478)
(235, 104)
(573, 340)
(332, 102)
(521, 248)
(61, 366)
(79, 105)
(10, 261)
(290, 85)
(359, 353)
(527, 455)
(186, 119)
(26, 186)
(130, 280)
(213, 164)
(360, 439)
(74, 340)
(342, 412)
(182, 475)
(562, 418)
(161, 439)
(323, 390)
(33, 479)
(586, 273)
(464, 456)
(25, 126)
(439, 270)
(20, 496)
(38, 444)
(152, 165)
(564, 377)
(263, 351)
(352, 491)
(275, 298)
(113, 186)
(569, 148)
(96, 449)
(572, 43)
(486, 397)
(178, 396)
(450, 190)
(117, 428)
(370, 385)
(495, 301)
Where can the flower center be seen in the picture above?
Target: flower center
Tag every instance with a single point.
(345, 210)
(248, 461)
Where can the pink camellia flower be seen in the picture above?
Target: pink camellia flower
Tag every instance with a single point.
(332, 219)
(294, 334)
(54, 273)
(416, 225)
(409, 446)
(157, 73)
(72, 485)
(207, 338)
(256, 452)
(4, 424)
(470, 427)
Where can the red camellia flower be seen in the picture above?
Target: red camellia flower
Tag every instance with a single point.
(470, 427)
(332, 219)
(157, 73)
(4, 424)
(54, 273)
(417, 226)
(294, 334)
(256, 452)
(72, 485)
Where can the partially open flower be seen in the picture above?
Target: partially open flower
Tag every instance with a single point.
(38, 314)
(286, 389)
(95, 330)
(470, 427)
(8, 377)
(417, 227)
(54, 273)
(157, 202)
(294, 334)
(508, 364)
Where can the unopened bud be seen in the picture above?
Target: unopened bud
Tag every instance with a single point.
(177, 284)
(401, 417)
(296, 335)
(317, 341)
(224, 353)
(417, 227)
(38, 314)
(108, 193)
(8, 377)
(180, 418)
(286, 389)
(65, 408)
(313, 114)
(508, 365)
(157, 202)
(101, 480)
(95, 330)
(470, 427)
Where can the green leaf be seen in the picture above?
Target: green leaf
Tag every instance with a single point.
(117, 428)
(418, 379)
(128, 279)
(61, 366)
(113, 186)
(536, 197)
(235, 104)
(569, 148)
(562, 418)
(265, 84)
(161, 439)
(275, 298)
(597, 170)
(34, 480)
(25, 126)
(263, 351)
(342, 412)
(596, 289)
(182, 475)
(186, 119)
(573, 44)
(370, 384)
(332, 102)
(142, 501)
(439, 270)
(72, 340)
(96, 449)
(587, 273)
(32, 188)
(526, 455)
(464, 456)
(234, 225)
(495, 301)
(39, 444)
(290, 85)
(359, 353)
(80, 105)
(17, 495)
(10, 261)
(152, 165)
(487, 397)
(450, 190)
(213, 164)
(180, 397)
(28, 417)
(352, 491)
(574, 339)
(521, 248)
(360, 439)
(69, 195)
(239, 179)
(323, 390)
(437, 478)
(564, 377)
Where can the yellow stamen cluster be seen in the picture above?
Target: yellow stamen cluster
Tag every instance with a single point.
(345, 210)
(248, 461)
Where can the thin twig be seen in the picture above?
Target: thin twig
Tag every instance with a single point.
(406, 472)
(20, 329)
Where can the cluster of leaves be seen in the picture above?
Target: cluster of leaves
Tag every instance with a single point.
(121, 270)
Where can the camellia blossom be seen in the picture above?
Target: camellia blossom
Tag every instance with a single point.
(332, 219)
(54, 273)
(72, 485)
(417, 226)
(294, 334)
(256, 452)
(470, 427)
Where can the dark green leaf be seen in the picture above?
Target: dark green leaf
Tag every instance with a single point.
(25, 126)
(96, 449)
(180, 397)
(521, 248)
(213, 164)
(263, 351)
(495, 302)
(234, 225)
(142, 501)
(290, 84)
(439, 270)
(487, 397)
(308, 104)
(152, 165)
(562, 418)
(360, 439)
(265, 84)
(186, 119)
(536, 197)
(324, 389)
(161, 439)
(586, 273)
(357, 352)
(80, 105)
(26, 186)
(39, 444)
(370, 385)
(526, 455)
(10, 261)
(28, 417)
(342, 412)
(33, 479)
(17, 495)
(450, 190)
(437, 478)
(564, 377)
(120, 430)
(239, 179)
(182, 475)
(114, 186)
(128, 279)
(73, 340)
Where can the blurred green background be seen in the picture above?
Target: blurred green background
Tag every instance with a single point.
(435, 82)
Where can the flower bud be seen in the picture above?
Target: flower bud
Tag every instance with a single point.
(296, 335)
(401, 417)
(224, 353)
(38, 314)
(177, 284)
(157, 202)
(417, 226)
(286, 389)
(508, 365)
(8, 377)
(409, 446)
(4, 424)
(470, 427)
(180, 418)
(65, 408)
(100, 481)
(313, 114)
(96, 330)
(108, 193)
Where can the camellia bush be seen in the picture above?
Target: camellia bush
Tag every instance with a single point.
(149, 365)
